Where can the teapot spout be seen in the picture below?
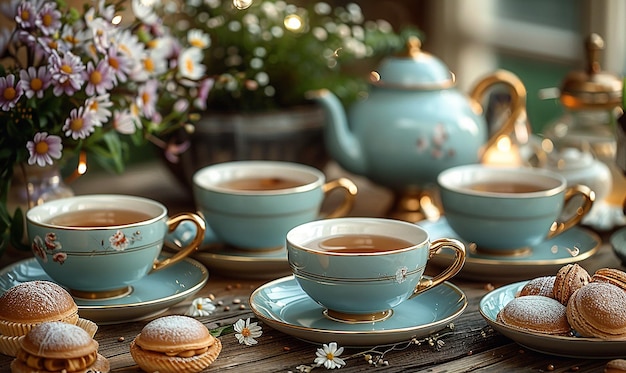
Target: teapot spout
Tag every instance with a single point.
(341, 143)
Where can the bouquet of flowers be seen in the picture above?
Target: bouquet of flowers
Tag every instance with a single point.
(269, 54)
(91, 81)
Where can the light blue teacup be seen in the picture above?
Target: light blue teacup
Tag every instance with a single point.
(99, 245)
(251, 205)
(359, 269)
(506, 210)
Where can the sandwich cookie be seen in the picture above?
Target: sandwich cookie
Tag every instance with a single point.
(175, 343)
(58, 347)
(31, 303)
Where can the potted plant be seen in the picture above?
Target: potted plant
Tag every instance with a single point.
(265, 55)
(85, 84)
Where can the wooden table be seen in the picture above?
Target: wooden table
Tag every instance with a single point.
(473, 345)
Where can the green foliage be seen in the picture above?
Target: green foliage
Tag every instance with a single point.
(263, 64)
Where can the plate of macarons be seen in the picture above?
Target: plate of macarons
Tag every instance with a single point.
(572, 313)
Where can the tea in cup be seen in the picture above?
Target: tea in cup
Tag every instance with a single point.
(506, 210)
(359, 269)
(251, 205)
(99, 245)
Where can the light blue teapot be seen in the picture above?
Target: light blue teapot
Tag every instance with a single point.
(414, 123)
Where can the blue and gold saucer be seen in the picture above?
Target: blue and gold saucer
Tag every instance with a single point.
(575, 347)
(150, 296)
(229, 261)
(283, 305)
(545, 259)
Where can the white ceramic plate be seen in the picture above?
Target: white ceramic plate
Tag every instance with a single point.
(573, 246)
(219, 258)
(151, 295)
(283, 305)
(575, 347)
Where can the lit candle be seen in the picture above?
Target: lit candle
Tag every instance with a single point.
(503, 153)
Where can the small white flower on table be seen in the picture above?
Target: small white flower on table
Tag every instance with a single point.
(328, 356)
(246, 332)
(201, 307)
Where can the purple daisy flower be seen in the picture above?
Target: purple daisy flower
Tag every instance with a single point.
(99, 78)
(101, 33)
(10, 92)
(43, 148)
(120, 63)
(67, 73)
(26, 14)
(35, 81)
(99, 107)
(79, 125)
(47, 44)
(147, 97)
(49, 18)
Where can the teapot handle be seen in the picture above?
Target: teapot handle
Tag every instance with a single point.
(518, 101)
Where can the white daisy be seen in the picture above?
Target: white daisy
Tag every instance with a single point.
(190, 63)
(144, 10)
(127, 121)
(328, 355)
(200, 307)
(199, 39)
(246, 332)
(99, 107)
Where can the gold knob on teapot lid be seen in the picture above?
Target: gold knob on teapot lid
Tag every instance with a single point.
(591, 88)
(413, 47)
(413, 69)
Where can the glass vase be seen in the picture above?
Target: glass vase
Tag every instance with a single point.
(33, 185)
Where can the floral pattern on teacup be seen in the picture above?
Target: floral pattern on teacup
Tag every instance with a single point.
(401, 274)
(51, 246)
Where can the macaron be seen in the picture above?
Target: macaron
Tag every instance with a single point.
(615, 366)
(598, 310)
(535, 313)
(539, 286)
(611, 275)
(569, 278)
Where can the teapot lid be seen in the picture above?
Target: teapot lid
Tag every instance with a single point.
(591, 88)
(569, 159)
(413, 69)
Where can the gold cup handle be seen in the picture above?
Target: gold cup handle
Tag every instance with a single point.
(454, 267)
(518, 102)
(350, 190)
(588, 198)
(185, 251)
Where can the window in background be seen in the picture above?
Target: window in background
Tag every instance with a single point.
(539, 40)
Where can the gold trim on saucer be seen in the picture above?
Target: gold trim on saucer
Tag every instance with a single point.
(519, 252)
(105, 294)
(260, 250)
(356, 318)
